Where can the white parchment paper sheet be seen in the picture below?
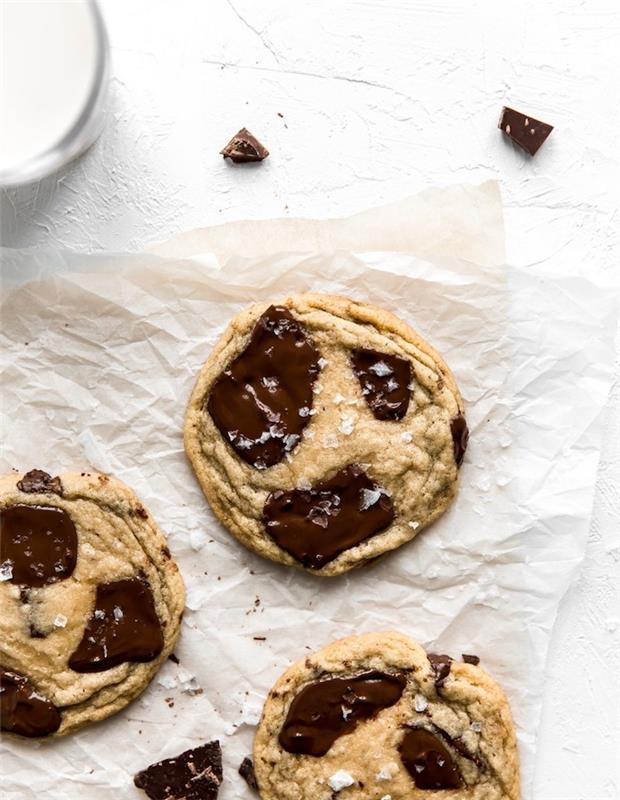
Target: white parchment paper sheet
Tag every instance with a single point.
(99, 355)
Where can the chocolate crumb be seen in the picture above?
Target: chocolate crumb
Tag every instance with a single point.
(244, 147)
(193, 775)
(141, 512)
(259, 638)
(38, 482)
(173, 658)
(441, 668)
(470, 659)
(246, 770)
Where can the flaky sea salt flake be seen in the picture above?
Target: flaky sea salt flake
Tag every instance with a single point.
(340, 780)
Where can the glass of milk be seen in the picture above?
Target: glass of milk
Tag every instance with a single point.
(53, 80)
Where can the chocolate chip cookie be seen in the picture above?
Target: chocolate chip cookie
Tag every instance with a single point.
(90, 600)
(325, 432)
(374, 716)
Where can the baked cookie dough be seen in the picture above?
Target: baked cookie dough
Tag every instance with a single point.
(90, 600)
(374, 716)
(325, 432)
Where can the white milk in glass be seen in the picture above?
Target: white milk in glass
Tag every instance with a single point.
(53, 71)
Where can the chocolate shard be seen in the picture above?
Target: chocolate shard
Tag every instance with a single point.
(428, 761)
(327, 709)
(529, 133)
(316, 525)
(441, 665)
(38, 482)
(194, 775)
(262, 401)
(23, 709)
(246, 770)
(38, 544)
(460, 437)
(123, 626)
(468, 659)
(385, 381)
(244, 147)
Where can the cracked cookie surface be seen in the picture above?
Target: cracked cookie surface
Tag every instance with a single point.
(90, 600)
(372, 716)
(347, 387)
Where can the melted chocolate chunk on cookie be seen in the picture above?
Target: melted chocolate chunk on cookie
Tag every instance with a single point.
(246, 770)
(38, 544)
(428, 761)
(38, 482)
(262, 401)
(316, 525)
(123, 626)
(385, 381)
(194, 775)
(332, 707)
(441, 665)
(460, 438)
(24, 710)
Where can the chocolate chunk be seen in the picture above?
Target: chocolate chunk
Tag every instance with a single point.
(441, 667)
(244, 147)
(24, 710)
(123, 626)
(327, 709)
(38, 544)
(385, 381)
(428, 761)
(316, 525)
(529, 133)
(194, 775)
(460, 437)
(470, 659)
(246, 770)
(38, 482)
(262, 401)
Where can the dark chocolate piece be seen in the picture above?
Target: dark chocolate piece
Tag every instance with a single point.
(194, 775)
(441, 667)
(529, 133)
(38, 482)
(24, 710)
(123, 626)
(329, 708)
(316, 525)
(428, 761)
(244, 147)
(262, 401)
(460, 437)
(470, 659)
(385, 381)
(38, 543)
(246, 770)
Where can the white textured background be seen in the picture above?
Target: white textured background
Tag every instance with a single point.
(380, 98)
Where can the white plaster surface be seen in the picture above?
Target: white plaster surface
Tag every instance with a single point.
(379, 98)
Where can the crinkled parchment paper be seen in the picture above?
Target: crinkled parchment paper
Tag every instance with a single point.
(99, 354)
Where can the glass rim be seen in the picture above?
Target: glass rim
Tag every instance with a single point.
(84, 130)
